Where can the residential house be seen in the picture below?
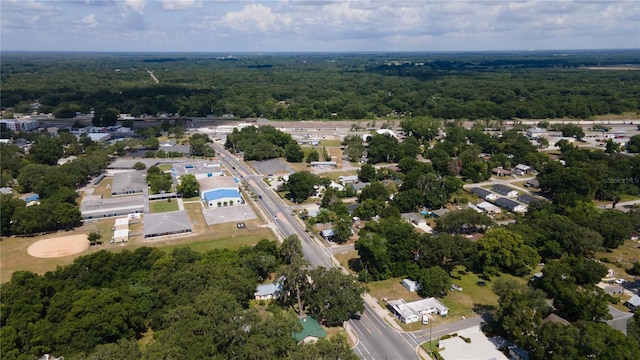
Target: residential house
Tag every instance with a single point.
(359, 186)
(511, 205)
(488, 208)
(555, 319)
(633, 303)
(268, 291)
(528, 199)
(504, 190)
(500, 171)
(484, 193)
(534, 183)
(440, 212)
(522, 169)
(328, 234)
(411, 312)
(414, 218)
(311, 331)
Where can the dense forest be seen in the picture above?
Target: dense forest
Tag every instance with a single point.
(326, 86)
(194, 305)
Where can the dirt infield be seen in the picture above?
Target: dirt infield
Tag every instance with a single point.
(59, 246)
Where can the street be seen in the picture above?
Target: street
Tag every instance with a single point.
(376, 340)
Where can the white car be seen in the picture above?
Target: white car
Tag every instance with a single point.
(620, 281)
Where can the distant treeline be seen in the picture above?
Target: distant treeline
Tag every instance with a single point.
(533, 85)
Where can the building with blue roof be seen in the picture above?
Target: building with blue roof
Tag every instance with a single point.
(222, 197)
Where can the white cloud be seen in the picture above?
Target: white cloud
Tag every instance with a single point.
(135, 5)
(256, 18)
(181, 4)
(90, 20)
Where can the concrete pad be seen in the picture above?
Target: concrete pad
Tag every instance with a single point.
(480, 347)
(227, 214)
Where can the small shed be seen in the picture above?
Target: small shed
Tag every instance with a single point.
(411, 285)
(120, 236)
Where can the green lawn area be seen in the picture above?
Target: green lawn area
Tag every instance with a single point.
(622, 258)
(163, 206)
(331, 143)
(165, 167)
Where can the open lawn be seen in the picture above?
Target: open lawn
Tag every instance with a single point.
(331, 143)
(165, 167)
(622, 258)
(349, 260)
(14, 256)
(163, 206)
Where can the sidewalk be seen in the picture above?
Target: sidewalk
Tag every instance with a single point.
(381, 312)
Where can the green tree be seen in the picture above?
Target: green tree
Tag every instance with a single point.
(293, 152)
(333, 296)
(46, 150)
(139, 166)
(520, 310)
(94, 238)
(313, 156)
(503, 250)
(291, 249)
(434, 281)
(342, 228)
(366, 173)
(633, 145)
(463, 222)
(301, 185)
(189, 186)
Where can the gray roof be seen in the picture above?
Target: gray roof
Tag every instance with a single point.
(534, 182)
(352, 207)
(112, 206)
(128, 163)
(413, 217)
(440, 212)
(503, 189)
(528, 199)
(172, 222)
(507, 203)
(634, 300)
(129, 182)
(268, 289)
(196, 167)
(6, 190)
(483, 193)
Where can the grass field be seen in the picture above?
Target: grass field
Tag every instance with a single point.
(163, 206)
(14, 256)
(622, 258)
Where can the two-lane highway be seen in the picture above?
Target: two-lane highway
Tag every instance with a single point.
(376, 339)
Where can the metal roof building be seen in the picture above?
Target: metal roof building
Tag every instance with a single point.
(109, 207)
(166, 223)
(131, 182)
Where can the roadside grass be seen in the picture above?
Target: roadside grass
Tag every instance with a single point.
(390, 289)
(163, 206)
(335, 175)
(165, 167)
(349, 260)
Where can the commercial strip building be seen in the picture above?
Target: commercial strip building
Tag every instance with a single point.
(220, 191)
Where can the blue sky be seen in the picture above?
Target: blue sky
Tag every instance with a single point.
(342, 25)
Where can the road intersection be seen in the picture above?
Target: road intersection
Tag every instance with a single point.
(378, 336)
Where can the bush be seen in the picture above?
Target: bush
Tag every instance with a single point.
(635, 269)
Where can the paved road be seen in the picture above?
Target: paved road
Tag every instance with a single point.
(377, 340)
